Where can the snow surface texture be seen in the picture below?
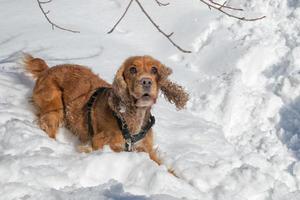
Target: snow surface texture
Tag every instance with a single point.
(238, 139)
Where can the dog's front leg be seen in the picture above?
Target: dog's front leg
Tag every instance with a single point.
(147, 146)
(97, 142)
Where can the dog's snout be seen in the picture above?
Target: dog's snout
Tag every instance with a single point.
(146, 82)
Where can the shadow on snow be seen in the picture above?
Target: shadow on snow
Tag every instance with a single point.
(289, 126)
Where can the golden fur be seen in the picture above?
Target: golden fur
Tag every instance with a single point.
(61, 93)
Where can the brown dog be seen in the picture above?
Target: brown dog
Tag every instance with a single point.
(61, 94)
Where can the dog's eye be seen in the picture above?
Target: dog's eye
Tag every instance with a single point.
(154, 70)
(133, 70)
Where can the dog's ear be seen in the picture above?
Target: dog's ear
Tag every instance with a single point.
(173, 92)
(119, 85)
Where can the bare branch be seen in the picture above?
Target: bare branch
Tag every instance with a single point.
(47, 18)
(168, 36)
(224, 6)
(161, 4)
(220, 7)
(123, 15)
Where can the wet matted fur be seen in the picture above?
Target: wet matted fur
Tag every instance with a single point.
(61, 93)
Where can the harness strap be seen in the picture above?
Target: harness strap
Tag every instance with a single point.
(90, 104)
(143, 132)
(130, 140)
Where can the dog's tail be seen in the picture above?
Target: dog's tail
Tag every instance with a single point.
(35, 66)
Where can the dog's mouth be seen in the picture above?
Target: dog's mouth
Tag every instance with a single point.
(145, 100)
(146, 96)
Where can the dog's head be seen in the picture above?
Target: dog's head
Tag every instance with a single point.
(139, 80)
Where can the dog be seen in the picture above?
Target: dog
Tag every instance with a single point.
(116, 114)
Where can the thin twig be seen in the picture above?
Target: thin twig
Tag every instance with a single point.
(225, 6)
(219, 8)
(45, 13)
(123, 15)
(162, 4)
(210, 3)
(168, 36)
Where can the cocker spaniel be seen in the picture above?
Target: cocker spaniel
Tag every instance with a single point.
(116, 114)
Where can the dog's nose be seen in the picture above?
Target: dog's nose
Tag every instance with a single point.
(146, 82)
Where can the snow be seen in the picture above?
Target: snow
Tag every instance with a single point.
(238, 138)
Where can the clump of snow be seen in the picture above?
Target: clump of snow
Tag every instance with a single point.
(238, 139)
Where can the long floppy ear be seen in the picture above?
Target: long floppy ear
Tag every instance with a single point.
(173, 92)
(119, 85)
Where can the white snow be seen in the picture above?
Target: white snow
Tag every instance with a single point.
(238, 139)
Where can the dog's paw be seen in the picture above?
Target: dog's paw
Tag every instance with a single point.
(172, 171)
(84, 149)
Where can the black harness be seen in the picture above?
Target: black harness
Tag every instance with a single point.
(89, 105)
(130, 139)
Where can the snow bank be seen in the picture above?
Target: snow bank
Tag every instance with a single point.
(238, 139)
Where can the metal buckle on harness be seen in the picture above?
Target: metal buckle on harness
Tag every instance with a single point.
(129, 144)
(124, 126)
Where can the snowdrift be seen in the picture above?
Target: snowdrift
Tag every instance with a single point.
(238, 139)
